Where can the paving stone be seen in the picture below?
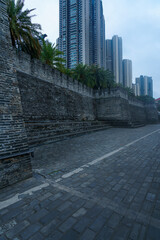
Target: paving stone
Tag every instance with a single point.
(49, 217)
(24, 214)
(80, 212)
(153, 233)
(142, 235)
(45, 196)
(98, 223)
(151, 197)
(114, 220)
(64, 206)
(135, 231)
(10, 215)
(49, 228)
(17, 229)
(70, 235)
(66, 214)
(3, 238)
(38, 215)
(92, 213)
(121, 233)
(37, 236)
(88, 235)
(82, 224)
(56, 196)
(67, 224)
(56, 235)
(30, 231)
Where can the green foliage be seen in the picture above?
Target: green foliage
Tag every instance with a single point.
(24, 33)
(93, 76)
(66, 71)
(52, 56)
(129, 91)
(146, 99)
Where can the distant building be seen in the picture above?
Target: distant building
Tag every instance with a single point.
(57, 42)
(82, 32)
(127, 73)
(114, 55)
(136, 89)
(146, 85)
(109, 55)
(103, 39)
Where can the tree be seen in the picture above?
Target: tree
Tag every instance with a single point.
(81, 74)
(52, 56)
(93, 76)
(24, 33)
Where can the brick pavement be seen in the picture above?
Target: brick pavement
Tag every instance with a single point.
(108, 189)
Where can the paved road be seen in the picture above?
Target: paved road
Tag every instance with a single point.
(104, 185)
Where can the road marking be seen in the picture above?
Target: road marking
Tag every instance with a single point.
(80, 169)
(18, 197)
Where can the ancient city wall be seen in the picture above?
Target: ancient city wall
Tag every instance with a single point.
(119, 108)
(48, 94)
(65, 98)
(34, 92)
(37, 69)
(15, 162)
(43, 100)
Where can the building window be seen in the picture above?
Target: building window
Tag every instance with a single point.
(72, 1)
(73, 12)
(73, 20)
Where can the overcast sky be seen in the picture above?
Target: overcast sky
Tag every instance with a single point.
(136, 21)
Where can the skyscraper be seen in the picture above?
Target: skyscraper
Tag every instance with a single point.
(114, 55)
(117, 59)
(74, 31)
(103, 40)
(127, 73)
(82, 32)
(146, 85)
(109, 55)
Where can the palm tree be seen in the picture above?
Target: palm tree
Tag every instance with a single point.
(51, 55)
(24, 33)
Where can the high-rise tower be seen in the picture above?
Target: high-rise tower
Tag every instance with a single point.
(146, 85)
(74, 31)
(127, 73)
(117, 59)
(82, 32)
(114, 55)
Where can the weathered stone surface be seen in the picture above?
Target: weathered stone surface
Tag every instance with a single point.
(14, 157)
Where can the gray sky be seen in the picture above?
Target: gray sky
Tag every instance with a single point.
(136, 21)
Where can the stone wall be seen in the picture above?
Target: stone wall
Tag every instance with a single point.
(15, 162)
(118, 108)
(151, 113)
(43, 100)
(52, 95)
(37, 69)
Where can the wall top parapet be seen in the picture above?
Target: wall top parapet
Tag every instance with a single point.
(35, 68)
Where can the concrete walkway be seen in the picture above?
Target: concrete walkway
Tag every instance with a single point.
(104, 185)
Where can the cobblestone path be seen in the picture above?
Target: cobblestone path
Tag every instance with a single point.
(103, 185)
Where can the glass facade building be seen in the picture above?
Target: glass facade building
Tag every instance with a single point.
(127, 73)
(146, 85)
(82, 32)
(114, 56)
